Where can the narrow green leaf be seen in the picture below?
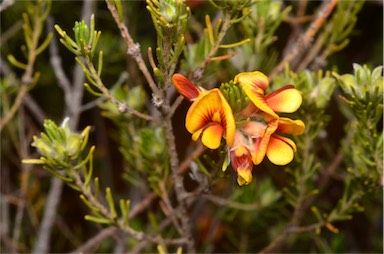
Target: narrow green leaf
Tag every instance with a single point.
(100, 64)
(44, 44)
(16, 63)
(97, 219)
(91, 91)
(111, 204)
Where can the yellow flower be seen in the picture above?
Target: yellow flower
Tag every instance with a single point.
(209, 116)
(267, 142)
(286, 99)
(240, 157)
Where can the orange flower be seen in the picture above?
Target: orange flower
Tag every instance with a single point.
(279, 149)
(240, 157)
(286, 99)
(209, 115)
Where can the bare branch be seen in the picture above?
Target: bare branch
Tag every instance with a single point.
(232, 204)
(53, 199)
(94, 241)
(304, 41)
(6, 4)
(134, 51)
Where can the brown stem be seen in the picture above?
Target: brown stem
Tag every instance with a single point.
(122, 107)
(134, 51)
(178, 181)
(94, 241)
(118, 222)
(232, 204)
(199, 149)
(304, 41)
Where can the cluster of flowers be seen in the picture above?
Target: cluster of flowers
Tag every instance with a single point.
(251, 133)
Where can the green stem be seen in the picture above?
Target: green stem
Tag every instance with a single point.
(27, 78)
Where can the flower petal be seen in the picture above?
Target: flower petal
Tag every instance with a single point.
(244, 175)
(280, 150)
(289, 126)
(257, 80)
(261, 144)
(211, 107)
(242, 163)
(202, 110)
(212, 135)
(286, 99)
(197, 134)
(229, 120)
(185, 87)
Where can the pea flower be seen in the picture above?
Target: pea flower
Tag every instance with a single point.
(267, 141)
(240, 157)
(286, 99)
(258, 132)
(209, 116)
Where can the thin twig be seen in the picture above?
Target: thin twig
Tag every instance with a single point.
(197, 74)
(118, 222)
(122, 106)
(331, 169)
(134, 51)
(32, 106)
(232, 204)
(199, 149)
(27, 77)
(25, 173)
(73, 101)
(18, 101)
(53, 199)
(142, 205)
(13, 30)
(6, 4)
(96, 240)
(57, 67)
(178, 182)
(168, 210)
(304, 41)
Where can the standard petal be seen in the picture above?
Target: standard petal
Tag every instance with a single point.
(202, 111)
(286, 99)
(185, 87)
(228, 120)
(212, 135)
(289, 126)
(211, 107)
(255, 79)
(280, 150)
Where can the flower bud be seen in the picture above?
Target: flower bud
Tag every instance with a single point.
(168, 9)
